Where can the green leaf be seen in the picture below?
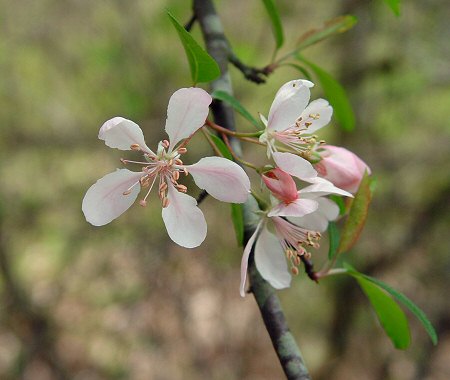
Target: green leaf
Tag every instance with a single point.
(357, 215)
(390, 315)
(277, 28)
(221, 146)
(418, 313)
(238, 107)
(332, 27)
(333, 236)
(300, 69)
(394, 5)
(336, 96)
(203, 67)
(237, 216)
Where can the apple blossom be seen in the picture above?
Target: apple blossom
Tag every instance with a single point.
(292, 121)
(113, 194)
(289, 227)
(342, 167)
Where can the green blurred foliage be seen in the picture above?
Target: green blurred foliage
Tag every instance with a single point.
(122, 301)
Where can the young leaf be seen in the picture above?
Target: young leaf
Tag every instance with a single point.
(237, 216)
(203, 67)
(332, 27)
(394, 5)
(238, 107)
(357, 215)
(221, 146)
(277, 28)
(418, 313)
(336, 96)
(390, 315)
(301, 69)
(333, 235)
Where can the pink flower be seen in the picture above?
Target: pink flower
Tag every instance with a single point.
(113, 194)
(292, 121)
(342, 167)
(287, 230)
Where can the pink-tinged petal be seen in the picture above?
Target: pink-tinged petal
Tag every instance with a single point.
(290, 100)
(223, 179)
(263, 119)
(318, 114)
(245, 256)
(318, 220)
(104, 201)
(121, 133)
(187, 112)
(184, 221)
(294, 165)
(320, 187)
(342, 167)
(270, 260)
(281, 185)
(300, 207)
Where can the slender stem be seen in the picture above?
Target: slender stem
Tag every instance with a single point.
(220, 129)
(211, 142)
(283, 341)
(236, 157)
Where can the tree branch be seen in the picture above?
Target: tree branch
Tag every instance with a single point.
(266, 298)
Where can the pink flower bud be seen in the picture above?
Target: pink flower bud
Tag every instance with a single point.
(281, 185)
(341, 167)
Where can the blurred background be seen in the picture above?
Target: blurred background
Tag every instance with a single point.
(123, 301)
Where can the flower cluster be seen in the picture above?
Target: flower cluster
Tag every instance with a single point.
(294, 208)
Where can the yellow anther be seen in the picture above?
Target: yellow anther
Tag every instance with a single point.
(182, 150)
(126, 192)
(294, 271)
(135, 147)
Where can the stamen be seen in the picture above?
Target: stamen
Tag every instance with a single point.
(165, 202)
(135, 147)
(143, 203)
(165, 143)
(182, 150)
(181, 188)
(314, 116)
(176, 175)
(294, 271)
(178, 162)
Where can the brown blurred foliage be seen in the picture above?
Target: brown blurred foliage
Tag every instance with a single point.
(124, 302)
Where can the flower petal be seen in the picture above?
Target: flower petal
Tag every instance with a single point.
(318, 220)
(187, 112)
(299, 207)
(281, 185)
(223, 179)
(294, 165)
(104, 201)
(290, 100)
(318, 114)
(184, 221)
(270, 260)
(121, 133)
(321, 186)
(245, 256)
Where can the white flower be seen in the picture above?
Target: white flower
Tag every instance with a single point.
(113, 194)
(292, 121)
(289, 228)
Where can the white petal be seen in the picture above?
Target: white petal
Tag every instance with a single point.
(319, 107)
(318, 220)
(187, 112)
(290, 100)
(321, 186)
(299, 207)
(270, 260)
(223, 179)
(104, 201)
(121, 133)
(294, 165)
(245, 256)
(184, 221)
